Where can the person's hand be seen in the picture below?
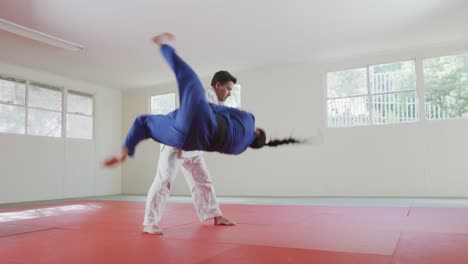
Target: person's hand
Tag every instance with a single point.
(117, 159)
(163, 38)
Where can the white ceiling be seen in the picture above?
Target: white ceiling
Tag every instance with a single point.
(218, 34)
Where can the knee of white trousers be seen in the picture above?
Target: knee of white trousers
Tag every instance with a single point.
(168, 164)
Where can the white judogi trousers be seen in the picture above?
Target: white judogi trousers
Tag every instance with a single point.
(197, 176)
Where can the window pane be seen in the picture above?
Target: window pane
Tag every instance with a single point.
(12, 119)
(44, 123)
(162, 104)
(79, 126)
(446, 70)
(447, 103)
(348, 112)
(392, 77)
(81, 104)
(12, 91)
(44, 97)
(235, 99)
(394, 108)
(347, 83)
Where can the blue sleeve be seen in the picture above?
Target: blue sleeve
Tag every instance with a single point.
(137, 133)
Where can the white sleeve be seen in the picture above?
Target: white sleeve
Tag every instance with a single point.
(211, 96)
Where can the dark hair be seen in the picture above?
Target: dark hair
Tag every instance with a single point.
(222, 77)
(260, 141)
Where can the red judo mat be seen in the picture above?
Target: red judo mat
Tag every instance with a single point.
(110, 232)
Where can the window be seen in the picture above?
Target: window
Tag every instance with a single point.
(12, 105)
(33, 108)
(393, 93)
(347, 98)
(235, 99)
(79, 115)
(446, 87)
(378, 94)
(41, 115)
(162, 104)
(44, 110)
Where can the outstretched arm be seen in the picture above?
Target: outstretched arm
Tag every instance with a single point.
(117, 159)
(137, 132)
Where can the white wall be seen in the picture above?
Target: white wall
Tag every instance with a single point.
(424, 159)
(42, 168)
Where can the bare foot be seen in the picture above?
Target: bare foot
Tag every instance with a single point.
(117, 159)
(152, 230)
(221, 220)
(163, 38)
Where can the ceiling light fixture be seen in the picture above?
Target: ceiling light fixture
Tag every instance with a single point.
(39, 36)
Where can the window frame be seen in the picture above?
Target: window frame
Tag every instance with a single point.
(19, 80)
(425, 89)
(369, 95)
(43, 85)
(64, 105)
(66, 113)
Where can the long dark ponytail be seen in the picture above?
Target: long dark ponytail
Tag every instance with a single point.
(260, 141)
(290, 140)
